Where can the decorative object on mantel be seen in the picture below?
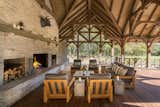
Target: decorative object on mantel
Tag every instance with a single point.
(19, 26)
(45, 21)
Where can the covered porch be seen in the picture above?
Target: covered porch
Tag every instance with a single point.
(145, 94)
(87, 53)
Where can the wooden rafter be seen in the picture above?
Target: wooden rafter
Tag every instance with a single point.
(105, 21)
(105, 5)
(43, 5)
(71, 11)
(120, 11)
(129, 15)
(149, 18)
(107, 24)
(111, 5)
(134, 19)
(66, 5)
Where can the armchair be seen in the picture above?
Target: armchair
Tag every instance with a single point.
(76, 66)
(100, 87)
(57, 86)
(93, 65)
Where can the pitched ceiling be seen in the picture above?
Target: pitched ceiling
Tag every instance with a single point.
(118, 19)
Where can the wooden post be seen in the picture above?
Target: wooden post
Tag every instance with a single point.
(100, 48)
(148, 53)
(77, 45)
(122, 51)
(112, 52)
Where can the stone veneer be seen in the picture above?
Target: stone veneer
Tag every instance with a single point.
(16, 46)
(9, 96)
(28, 12)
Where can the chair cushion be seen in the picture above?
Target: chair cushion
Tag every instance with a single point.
(100, 76)
(122, 71)
(77, 62)
(61, 76)
(100, 88)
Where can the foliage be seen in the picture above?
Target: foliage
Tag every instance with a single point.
(131, 49)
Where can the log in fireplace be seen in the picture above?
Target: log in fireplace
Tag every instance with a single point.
(13, 69)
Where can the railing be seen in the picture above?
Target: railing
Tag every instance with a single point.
(138, 62)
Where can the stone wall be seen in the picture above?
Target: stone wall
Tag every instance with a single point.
(16, 46)
(8, 96)
(62, 53)
(28, 12)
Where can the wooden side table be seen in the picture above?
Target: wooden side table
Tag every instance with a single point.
(79, 88)
(119, 87)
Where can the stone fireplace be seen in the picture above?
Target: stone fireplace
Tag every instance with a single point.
(15, 69)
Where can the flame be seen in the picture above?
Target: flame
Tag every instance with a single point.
(36, 64)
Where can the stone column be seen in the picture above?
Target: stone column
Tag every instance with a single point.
(49, 60)
(1, 71)
(1, 58)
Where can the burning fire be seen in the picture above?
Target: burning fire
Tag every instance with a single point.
(36, 64)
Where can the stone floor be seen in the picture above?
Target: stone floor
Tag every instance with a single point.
(146, 94)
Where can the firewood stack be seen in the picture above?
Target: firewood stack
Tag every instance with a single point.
(15, 73)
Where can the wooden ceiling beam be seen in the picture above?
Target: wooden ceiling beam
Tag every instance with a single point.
(78, 16)
(77, 13)
(53, 7)
(149, 18)
(66, 6)
(23, 33)
(133, 22)
(105, 5)
(110, 28)
(111, 5)
(64, 30)
(148, 22)
(107, 21)
(73, 41)
(72, 11)
(44, 6)
(120, 11)
(107, 24)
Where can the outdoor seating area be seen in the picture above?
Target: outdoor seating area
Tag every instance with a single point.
(79, 53)
(89, 83)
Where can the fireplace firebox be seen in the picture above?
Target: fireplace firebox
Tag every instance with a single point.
(13, 69)
(42, 59)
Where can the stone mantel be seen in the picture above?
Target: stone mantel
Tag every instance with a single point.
(10, 93)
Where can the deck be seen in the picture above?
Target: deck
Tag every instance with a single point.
(146, 94)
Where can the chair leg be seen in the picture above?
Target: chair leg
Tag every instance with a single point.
(111, 98)
(68, 95)
(89, 99)
(45, 98)
(111, 95)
